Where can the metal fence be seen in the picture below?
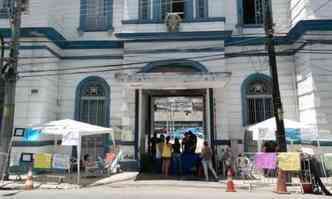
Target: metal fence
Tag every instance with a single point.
(247, 173)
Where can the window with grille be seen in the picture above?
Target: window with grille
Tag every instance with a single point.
(253, 12)
(172, 6)
(93, 101)
(258, 98)
(201, 9)
(145, 8)
(96, 15)
(93, 107)
(5, 6)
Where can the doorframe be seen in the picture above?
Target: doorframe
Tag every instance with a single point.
(208, 116)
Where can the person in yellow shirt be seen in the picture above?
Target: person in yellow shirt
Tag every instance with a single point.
(166, 155)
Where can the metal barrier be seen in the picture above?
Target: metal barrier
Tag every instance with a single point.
(246, 170)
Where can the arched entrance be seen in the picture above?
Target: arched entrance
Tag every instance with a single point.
(170, 103)
(174, 66)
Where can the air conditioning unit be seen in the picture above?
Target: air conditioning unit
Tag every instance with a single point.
(173, 21)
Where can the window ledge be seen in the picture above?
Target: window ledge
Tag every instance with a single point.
(153, 21)
(4, 14)
(81, 30)
(250, 25)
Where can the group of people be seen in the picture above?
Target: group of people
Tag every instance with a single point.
(163, 152)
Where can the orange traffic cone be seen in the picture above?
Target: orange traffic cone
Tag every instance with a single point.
(28, 183)
(281, 183)
(230, 184)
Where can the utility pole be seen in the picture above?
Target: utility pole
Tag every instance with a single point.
(277, 105)
(9, 75)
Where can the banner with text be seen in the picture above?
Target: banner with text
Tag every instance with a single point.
(289, 161)
(266, 160)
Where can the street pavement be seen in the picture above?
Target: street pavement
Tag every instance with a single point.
(121, 191)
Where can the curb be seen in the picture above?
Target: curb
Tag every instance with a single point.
(112, 182)
(222, 185)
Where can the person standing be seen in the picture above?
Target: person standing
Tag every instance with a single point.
(207, 161)
(177, 156)
(186, 143)
(192, 141)
(166, 155)
(159, 150)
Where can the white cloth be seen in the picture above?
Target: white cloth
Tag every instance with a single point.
(158, 152)
(70, 137)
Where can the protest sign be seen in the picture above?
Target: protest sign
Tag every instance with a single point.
(289, 161)
(42, 161)
(328, 161)
(266, 160)
(61, 161)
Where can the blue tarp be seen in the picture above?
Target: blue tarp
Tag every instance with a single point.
(31, 134)
(293, 134)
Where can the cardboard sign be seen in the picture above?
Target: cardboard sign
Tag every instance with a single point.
(15, 159)
(289, 161)
(328, 161)
(61, 161)
(42, 161)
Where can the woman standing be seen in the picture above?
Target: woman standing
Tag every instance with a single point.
(177, 156)
(207, 161)
(166, 155)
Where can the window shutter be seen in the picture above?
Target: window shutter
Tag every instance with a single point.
(189, 9)
(83, 14)
(157, 10)
(109, 14)
(240, 12)
(202, 9)
(145, 9)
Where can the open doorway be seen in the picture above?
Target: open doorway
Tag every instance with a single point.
(175, 116)
(179, 115)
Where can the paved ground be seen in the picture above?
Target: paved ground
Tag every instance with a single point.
(148, 192)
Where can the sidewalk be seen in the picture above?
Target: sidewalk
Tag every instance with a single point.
(19, 185)
(240, 185)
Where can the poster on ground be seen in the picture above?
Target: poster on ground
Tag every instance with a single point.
(15, 159)
(266, 160)
(328, 161)
(61, 161)
(289, 161)
(42, 161)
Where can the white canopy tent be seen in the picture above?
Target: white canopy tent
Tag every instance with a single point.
(295, 131)
(265, 130)
(72, 132)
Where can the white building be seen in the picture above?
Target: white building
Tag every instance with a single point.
(102, 61)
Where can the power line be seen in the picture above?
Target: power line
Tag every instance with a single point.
(89, 69)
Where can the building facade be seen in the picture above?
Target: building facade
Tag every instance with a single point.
(103, 61)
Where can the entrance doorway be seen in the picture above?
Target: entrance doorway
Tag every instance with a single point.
(173, 113)
(175, 116)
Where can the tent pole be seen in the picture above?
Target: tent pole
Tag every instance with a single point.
(79, 160)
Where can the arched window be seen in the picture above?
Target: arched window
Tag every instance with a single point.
(92, 106)
(92, 101)
(257, 99)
